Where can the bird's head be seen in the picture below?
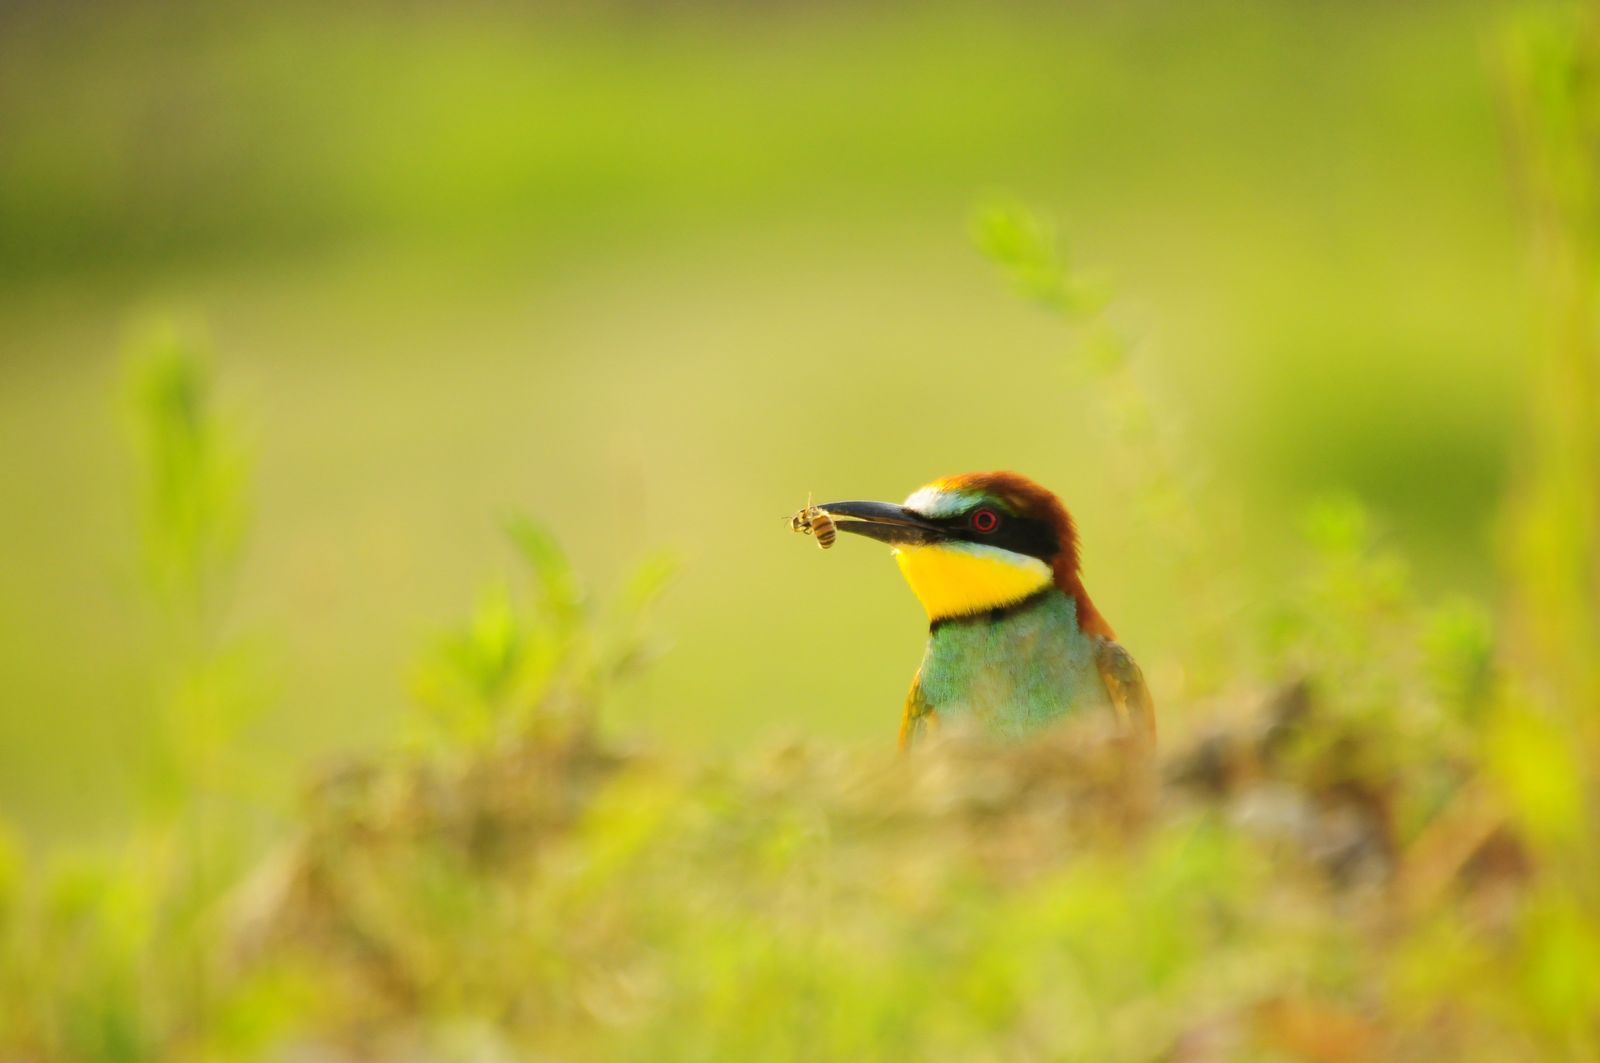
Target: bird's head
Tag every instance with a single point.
(977, 542)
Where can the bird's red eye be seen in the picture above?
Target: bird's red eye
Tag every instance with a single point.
(985, 520)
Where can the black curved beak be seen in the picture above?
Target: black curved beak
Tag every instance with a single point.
(885, 522)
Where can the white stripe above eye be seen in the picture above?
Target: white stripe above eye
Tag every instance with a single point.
(932, 502)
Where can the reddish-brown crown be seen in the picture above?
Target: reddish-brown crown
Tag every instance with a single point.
(1027, 499)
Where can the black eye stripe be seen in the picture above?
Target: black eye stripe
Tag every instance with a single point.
(1022, 535)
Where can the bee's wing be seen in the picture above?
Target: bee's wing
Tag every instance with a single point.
(1129, 695)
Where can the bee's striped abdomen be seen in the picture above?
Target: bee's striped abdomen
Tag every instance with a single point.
(822, 527)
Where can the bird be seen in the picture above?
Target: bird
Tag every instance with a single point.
(1014, 642)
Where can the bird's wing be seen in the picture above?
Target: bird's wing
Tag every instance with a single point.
(1129, 696)
(918, 714)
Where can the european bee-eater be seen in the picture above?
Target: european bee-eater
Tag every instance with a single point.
(1014, 642)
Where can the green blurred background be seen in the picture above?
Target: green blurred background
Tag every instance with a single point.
(654, 272)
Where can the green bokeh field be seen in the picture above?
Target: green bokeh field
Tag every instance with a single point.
(404, 655)
(655, 273)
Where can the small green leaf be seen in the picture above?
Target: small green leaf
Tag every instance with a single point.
(560, 593)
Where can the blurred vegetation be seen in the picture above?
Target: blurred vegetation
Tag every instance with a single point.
(515, 669)
(1367, 835)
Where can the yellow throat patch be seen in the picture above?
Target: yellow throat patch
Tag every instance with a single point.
(952, 580)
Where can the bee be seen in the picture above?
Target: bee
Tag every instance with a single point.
(814, 521)
(822, 526)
